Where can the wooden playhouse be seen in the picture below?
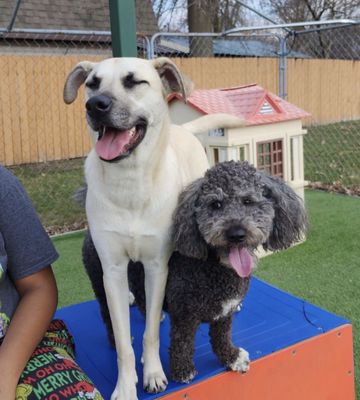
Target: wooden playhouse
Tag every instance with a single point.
(272, 138)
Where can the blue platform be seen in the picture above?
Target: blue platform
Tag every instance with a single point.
(270, 320)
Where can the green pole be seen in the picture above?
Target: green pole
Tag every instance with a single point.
(123, 28)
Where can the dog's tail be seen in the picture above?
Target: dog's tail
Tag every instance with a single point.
(213, 121)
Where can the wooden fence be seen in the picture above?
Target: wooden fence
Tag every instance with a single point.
(35, 123)
(36, 126)
(328, 89)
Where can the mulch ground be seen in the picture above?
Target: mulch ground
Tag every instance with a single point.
(336, 187)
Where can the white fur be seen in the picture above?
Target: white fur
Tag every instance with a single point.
(129, 206)
(242, 363)
(228, 307)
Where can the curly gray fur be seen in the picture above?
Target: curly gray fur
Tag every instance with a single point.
(275, 211)
(232, 196)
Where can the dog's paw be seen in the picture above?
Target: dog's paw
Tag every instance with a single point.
(183, 376)
(125, 388)
(155, 382)
(124, 392)
(242, 362)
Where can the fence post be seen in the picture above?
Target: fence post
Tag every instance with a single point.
(123, 28)
(282, 68)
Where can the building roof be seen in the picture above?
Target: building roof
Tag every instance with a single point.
(251, 102)
(241, 46)
(87, 15)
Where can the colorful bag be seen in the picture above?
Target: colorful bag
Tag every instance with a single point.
(52, 373)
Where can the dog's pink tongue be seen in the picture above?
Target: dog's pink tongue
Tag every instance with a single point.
(112, 144)
(241, 261)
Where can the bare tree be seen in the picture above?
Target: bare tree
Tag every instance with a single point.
(319, 44)
(200, 19)
(171, 14)
(227, 14)
(311, 10)
(198, 15)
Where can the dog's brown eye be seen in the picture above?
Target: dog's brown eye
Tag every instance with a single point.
(267, 192)
(216, 205)
(94, 83)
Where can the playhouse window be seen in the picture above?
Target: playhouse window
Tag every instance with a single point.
(217, 132)
(266, 109)
(216, 156)
(236, 153)
(242, 153)
(270, 157)
(220, 154)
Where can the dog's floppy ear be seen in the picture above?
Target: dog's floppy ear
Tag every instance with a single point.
(290, 222)
(170, 76)
(185, 232)
(75, 79)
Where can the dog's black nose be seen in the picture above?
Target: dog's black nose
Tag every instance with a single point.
(98, 105)
(236, 234)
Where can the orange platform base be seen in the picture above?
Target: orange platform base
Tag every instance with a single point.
(320, 368)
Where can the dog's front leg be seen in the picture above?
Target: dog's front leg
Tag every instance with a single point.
(236, 359)
(117, 295)
(182, 346)
(155, 281)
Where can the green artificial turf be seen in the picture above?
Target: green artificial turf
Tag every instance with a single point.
(73, 283)
(325, 270)
(51, 187)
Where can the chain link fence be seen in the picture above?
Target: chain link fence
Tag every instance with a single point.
(332, 145)
(44, 142)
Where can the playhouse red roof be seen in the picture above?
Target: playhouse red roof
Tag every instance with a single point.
(251, 102)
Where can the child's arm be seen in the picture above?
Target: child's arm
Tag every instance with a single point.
(38, 301)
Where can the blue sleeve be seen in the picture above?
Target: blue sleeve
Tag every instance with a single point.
(28, 246)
